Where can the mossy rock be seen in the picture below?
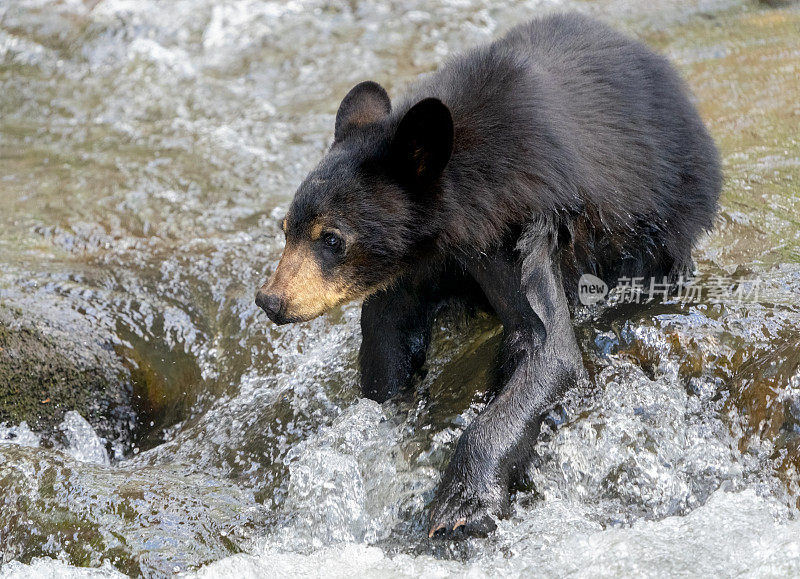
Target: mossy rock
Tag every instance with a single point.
(40, 381)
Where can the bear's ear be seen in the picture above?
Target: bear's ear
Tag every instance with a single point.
(367, 102)
(423, 143)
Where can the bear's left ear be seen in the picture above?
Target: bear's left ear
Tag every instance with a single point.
(423, 143)
(367, 102)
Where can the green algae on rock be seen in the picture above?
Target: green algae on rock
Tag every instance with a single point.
(40, 382)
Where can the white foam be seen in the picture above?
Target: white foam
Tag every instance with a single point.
(21, 435)
(732, 534)
(45, 568)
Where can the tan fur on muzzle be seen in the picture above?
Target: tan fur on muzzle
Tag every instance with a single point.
(299, 282)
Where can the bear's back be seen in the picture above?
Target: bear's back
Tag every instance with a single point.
(565, 115)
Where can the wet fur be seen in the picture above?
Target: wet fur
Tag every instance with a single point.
(567, 148)
(566, 117)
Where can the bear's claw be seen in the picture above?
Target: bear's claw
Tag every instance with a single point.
(480, 525)
(433, 530)
(459, 523)
(455, 511)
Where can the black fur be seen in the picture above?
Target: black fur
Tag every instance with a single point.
(561, 149)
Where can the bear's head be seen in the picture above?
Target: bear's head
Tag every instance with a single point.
(366, 212)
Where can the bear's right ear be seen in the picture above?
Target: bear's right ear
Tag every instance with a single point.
(367, 102)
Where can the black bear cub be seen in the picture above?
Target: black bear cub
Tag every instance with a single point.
(561, 149)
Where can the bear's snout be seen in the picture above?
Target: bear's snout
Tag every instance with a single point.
(298, 290)
(273, 305)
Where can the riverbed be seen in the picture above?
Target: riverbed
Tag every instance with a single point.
(157, 423)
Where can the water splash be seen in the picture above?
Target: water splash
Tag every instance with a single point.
(83, 443)
(155, 148)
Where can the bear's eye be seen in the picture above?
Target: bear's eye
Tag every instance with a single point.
(332, 241)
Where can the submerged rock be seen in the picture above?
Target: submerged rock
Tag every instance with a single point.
(144, 521)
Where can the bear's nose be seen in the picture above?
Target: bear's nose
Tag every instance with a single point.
(272, 304)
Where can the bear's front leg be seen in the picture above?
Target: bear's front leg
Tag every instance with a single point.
(395, 335)
(540, 360)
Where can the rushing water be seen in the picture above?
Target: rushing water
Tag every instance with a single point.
(147, 152)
